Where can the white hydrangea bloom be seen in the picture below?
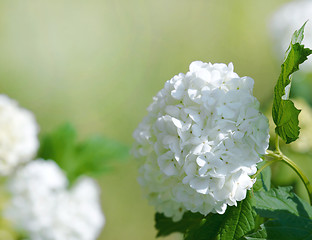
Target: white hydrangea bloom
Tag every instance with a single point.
(42, 206)
(78, 213)
(18, 135)
(285, 21)
(200, 141)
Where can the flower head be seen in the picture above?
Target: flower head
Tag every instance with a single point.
(18, 135)
(44, 208)
(200, 141)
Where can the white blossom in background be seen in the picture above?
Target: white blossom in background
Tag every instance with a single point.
(34, 189)
(18, 135)
(45, 209)
(78, 213)
(285, 21)
(200, 141)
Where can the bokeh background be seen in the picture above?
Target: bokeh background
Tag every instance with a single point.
(98, 63)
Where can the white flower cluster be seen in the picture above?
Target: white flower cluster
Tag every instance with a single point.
(18, 135)
(42, 206)
(200, 141)
(285, 21)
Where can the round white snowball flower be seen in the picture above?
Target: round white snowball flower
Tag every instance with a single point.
(44, 208)
(78, 213)
(285, 21)
(18, 135)
(200, 141)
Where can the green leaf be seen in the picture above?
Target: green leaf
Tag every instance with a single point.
(91, 157)
(289, 216)
(284, 112)
(281, 198)
(261, 234)
(166, 226)
(59, 146)
(95, 154)
(298, 36)
(208, 230)
(288, 226)
(232, 225)
(239, 220)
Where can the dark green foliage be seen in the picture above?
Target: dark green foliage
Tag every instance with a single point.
(166, 226)
(282, 198)
(232, 225)
(270, 214)
(289, 216)
(208, 230)
(239, 220)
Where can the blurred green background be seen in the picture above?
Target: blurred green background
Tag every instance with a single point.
(98, 63)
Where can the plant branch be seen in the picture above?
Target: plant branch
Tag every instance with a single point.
(303, 177)
(268, 163)
(279, 156)
(277, 148)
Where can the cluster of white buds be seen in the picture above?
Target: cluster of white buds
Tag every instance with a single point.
(44, 208)
(18, 135)
(201, 141)
(41, 205)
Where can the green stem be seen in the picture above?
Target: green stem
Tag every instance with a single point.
(278, 155)
(304, 179)
(268, 163)
(277, 148)
(274, 154)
